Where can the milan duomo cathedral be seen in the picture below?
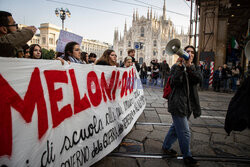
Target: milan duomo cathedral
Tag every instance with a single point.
(154, 34)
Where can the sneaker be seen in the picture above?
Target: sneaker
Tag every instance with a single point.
(190, 161)
(170, 152)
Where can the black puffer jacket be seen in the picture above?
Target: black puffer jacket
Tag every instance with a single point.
(238, 113)
(184, 98)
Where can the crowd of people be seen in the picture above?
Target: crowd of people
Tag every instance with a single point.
(224, 79)
(154, 74)
(13, 43)
(227, 79)
(184, 75)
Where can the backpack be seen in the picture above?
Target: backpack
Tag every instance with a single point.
(167, 90)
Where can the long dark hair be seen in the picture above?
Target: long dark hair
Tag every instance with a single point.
(195, 54)
(32, 47)
(25, 47)
(106, 57)
(69, 49)
(84, 57)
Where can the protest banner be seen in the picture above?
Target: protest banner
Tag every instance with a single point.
(66, 37)
(64, 115)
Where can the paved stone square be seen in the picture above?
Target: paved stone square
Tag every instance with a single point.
(208, 136)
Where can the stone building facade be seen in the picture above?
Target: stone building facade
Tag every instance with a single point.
(153, 32)
(94, 46)
(49, 35)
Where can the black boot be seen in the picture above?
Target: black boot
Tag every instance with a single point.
(190, 161)
(170, 152)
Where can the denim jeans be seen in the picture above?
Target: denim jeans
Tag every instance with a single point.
(144, 78)
(225, 84)
(144, 81)
(217, 84)
(234, 80)
(179, 130)
(154, 81)
(205, 83)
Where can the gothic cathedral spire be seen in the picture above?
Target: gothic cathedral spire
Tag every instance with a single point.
(164, 10)
(125, 27)
(134, 15)
(151, 14)
(116, 35)
(137, 15)
(148, 14)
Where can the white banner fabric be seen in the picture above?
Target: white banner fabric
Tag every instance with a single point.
(71, 115)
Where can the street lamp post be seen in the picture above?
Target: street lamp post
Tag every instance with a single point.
(62, 13)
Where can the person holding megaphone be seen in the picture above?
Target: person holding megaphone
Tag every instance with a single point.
(182, 102)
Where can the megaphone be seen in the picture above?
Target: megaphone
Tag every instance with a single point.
(247, 50)
(174, 47)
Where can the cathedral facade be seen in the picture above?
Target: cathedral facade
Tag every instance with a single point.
(153, 33)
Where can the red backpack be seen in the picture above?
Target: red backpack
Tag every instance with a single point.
(167, 90)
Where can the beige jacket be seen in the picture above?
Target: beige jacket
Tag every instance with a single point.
(13, 42)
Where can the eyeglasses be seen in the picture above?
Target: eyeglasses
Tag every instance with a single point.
(192, 52)
(16, 25)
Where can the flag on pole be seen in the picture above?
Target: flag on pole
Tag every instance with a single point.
(235, 44)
